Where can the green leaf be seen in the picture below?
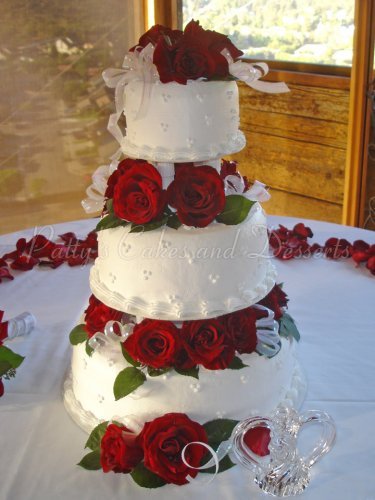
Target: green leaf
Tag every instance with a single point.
(78, 335)
(145, 478)
(219, 430)
(174, 222)
(237, 364)
(89, 350)
(91, 461)
(224, 464)
(288, 328)
(110, 221)
(236, 209)
(5, 366)
(148, 226)
(109, 206)
(96, 435)
(10, 357)
(191, 372)
(128, 358)
(127, 381)
(156, 372)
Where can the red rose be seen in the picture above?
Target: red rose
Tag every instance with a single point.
(258, 440)
(241, 326)
(122, 167)
(138, 195)
(163, 440)
(154, 34)
(3, 328)
(230, 168)
(197, 193)
(1, 388)
(195, 54)
(120, 450)
(155, 343)
(97, 316)
(275, 300)
(207, 343)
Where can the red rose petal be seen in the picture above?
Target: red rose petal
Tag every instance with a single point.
(5, 274)
(70, 238)
(258, 440)
(302, 231)
(3, 330)
(24, 263)
(371, 265)
(360, 246)
(1, 388)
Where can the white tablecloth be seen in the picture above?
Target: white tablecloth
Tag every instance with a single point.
(333, 304)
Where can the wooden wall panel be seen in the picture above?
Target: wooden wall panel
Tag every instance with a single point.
(296, 143)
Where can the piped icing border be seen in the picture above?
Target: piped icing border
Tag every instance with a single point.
(86, 420)
(182, 311)
(236, 142)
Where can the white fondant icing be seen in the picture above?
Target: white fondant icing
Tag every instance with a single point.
(189, 273)
(89, 389)
(192, 122)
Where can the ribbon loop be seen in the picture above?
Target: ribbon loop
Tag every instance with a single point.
(268, 342)
(250, 74)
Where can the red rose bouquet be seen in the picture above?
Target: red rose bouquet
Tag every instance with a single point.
(191, 54)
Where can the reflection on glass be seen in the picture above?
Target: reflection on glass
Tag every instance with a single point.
(53, 104)
(310, 31)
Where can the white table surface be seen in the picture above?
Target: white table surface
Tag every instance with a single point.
(334, 306)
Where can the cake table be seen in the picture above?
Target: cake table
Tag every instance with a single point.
(332, 303)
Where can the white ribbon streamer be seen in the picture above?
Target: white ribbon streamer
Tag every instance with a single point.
(109, 336)
(250, 74)
(21, 325)
(234, 184)
(268, 336)
(217, 455)
(137, 65)
(95, 192)
(257, 192)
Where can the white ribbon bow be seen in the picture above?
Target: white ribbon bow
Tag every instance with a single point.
(137, 65)
(21, 325)
(109, 336)
(95, 192)
(250, 74)
(234, 184)
(268, 342)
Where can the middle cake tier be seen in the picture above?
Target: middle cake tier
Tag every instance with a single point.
(184, 274)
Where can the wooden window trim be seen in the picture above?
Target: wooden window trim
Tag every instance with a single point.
(310, 76)
(359, 114)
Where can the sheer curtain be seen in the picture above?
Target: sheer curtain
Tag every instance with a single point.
(54, 106)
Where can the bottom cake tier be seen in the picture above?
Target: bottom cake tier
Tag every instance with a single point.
(254, 390)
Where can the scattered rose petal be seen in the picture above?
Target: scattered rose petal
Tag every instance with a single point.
(1, 388)
(371, 265)
(302, 231)
(24, 263)
(5, 274)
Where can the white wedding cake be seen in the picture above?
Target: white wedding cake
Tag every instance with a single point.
(185, 317)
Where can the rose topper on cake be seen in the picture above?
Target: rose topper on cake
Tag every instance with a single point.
(178, 56)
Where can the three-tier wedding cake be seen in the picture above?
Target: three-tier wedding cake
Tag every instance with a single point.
(186, 332)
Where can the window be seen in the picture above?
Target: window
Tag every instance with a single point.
(307, 31)
(54, 106)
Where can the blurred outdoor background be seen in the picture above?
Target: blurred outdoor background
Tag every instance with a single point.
(54, 106)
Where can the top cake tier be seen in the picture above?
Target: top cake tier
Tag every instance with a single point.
(171, 122)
